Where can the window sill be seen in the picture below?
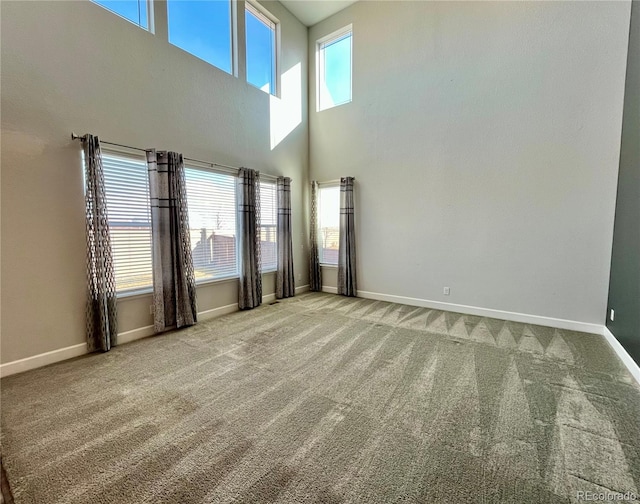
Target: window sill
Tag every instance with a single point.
(134, 293)
(147, 292)
(335, 105)
(328, 265)
(217, 280)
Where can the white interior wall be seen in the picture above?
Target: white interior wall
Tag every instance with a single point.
(74, 66)
(484, 138)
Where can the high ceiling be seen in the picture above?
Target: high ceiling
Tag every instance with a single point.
(311, 12)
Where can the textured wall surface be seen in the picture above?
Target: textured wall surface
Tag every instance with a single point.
(484, 138)
(74, 66)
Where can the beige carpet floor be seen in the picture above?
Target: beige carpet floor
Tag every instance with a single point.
(326, 399)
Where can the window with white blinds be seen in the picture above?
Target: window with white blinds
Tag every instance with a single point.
(127, 191)
(268, 220)
(328, 224)
(211, 198)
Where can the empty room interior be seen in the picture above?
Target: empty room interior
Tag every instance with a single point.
(307, 251)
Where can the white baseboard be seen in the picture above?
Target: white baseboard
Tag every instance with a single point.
(43, 359)
(135, 334)
(217, 312)
(483, 312)
(70, 352)
(61, 354)
(620, 351)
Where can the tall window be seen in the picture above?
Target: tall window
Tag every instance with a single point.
(328, 223)
(334, 69)
(268, 220)
(127, 191)
(202, 29)
(211, 199)
(136, 11)
(261, 37)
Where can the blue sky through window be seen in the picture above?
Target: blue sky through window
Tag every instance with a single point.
(335, 75)
(337, 59)
(261, 41)
(133, 10)
(202, 29)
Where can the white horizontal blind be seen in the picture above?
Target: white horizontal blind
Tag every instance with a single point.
(268, 221)
(211, 198)
(328, 224)
(127, 191)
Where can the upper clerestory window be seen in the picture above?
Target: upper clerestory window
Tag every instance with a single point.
(136, 11)
(203, 29)
(333, 69)
(261, 32)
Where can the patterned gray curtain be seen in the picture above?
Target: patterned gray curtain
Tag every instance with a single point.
(174, 286)
(285, 281)
(102, 319)
(250, 289)
(315, 273)
(347, 246)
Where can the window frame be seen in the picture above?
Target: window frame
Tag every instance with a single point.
(321, 186)
(150, 15)
(321, 43)
(260, 11)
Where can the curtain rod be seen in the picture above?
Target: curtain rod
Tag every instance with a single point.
(334, 181)
(75, 136)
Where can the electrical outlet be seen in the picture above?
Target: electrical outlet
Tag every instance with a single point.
(446, 291)
(150, 309)
(612, 314)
